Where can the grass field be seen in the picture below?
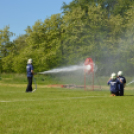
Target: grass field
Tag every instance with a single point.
(64, 111)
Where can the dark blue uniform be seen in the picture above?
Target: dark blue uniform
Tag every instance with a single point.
(121, 86)
(114, 88)
(29, 67)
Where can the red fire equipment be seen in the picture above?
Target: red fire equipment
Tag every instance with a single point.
(89, 69)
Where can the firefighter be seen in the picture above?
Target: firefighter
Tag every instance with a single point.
(30, 73)
(122, 85)
(113, 82)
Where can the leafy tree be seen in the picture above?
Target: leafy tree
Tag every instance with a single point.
(6, 46)
(101, 29)
(5, 43)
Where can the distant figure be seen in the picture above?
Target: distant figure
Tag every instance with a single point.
(122, 85)
(29, 69)
(114, 82)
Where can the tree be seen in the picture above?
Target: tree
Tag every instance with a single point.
(5, 43)
(100, 29)
(6, 46)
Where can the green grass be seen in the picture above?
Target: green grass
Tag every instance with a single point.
(67, 78)
(64, 111)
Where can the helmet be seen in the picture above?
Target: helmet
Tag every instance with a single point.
(29, 61)
(120, 73)
(113, 75)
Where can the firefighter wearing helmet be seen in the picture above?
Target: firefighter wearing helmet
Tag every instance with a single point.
(122, 85)
(113, 82)
(29, 69)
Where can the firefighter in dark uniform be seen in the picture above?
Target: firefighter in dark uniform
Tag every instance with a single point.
(122, 85)
(30, 73)
(114, 85)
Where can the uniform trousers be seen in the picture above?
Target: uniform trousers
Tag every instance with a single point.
(29, 85)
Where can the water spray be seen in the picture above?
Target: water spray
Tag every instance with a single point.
(130, 82)
(87, 68)
(64, 69)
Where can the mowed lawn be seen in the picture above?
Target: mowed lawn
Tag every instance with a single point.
(64, 111)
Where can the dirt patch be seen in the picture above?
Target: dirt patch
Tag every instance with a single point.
(69, 86)
(13, 85)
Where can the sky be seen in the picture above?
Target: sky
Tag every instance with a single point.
(18, 14)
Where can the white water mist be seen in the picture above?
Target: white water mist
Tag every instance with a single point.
(67, 69)
(64, 69)
(130, 82)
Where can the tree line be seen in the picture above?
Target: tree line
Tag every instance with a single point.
(100, 29)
